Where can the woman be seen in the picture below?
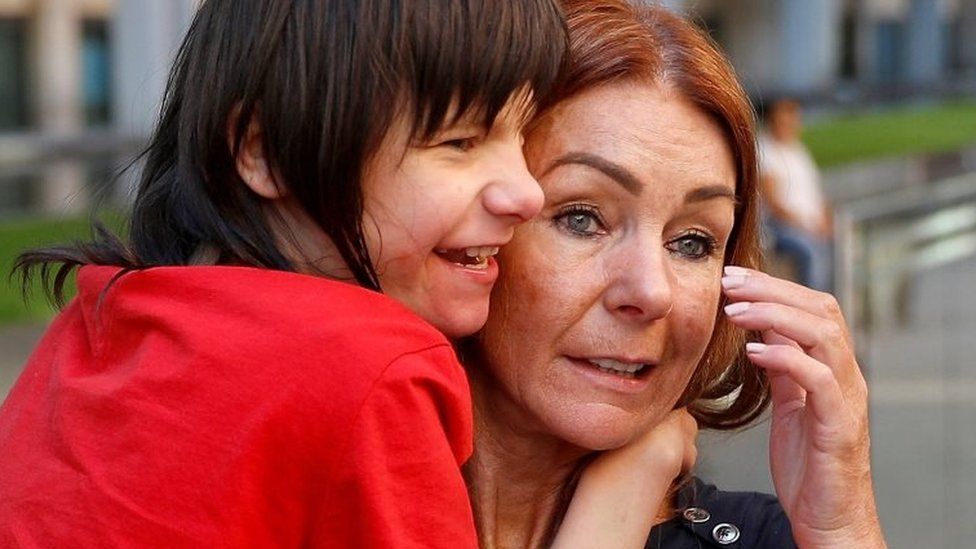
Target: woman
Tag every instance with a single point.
(610, 315)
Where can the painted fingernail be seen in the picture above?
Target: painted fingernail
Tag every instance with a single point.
(736, 271)
(732, 282)
(737, 308)
(755, 348)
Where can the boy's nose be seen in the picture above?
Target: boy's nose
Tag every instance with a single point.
(515, 192)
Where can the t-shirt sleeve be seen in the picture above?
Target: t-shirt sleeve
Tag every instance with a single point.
(400, 482)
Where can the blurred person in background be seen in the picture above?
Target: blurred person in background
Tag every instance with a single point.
(797, 215)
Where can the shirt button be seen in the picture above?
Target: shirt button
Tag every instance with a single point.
(725, 533)
(696, 515)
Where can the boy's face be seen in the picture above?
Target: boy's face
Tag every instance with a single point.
(436, 213)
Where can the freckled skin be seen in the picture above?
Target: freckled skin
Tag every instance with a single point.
(622, 292)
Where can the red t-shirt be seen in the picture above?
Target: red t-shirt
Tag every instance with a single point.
(235, 407)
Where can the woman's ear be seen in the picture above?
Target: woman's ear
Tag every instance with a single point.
(250, 160)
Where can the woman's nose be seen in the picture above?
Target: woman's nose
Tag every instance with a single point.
(640, 287)
(514, 191)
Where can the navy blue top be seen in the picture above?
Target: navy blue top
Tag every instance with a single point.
(708, 517)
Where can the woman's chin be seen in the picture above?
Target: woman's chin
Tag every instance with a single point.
(597, 427)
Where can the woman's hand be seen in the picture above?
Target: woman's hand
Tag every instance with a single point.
(621, 492)
(819, 443)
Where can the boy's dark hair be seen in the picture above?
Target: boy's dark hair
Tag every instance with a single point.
(325, 80)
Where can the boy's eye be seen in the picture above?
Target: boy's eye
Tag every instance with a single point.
(695, 245)
(462, 144)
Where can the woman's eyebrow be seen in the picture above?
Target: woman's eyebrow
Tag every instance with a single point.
(614, 171)
(710, 192)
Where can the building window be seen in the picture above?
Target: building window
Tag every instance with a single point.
(848, 46)
(955, 44)
(890, 51)
(13, 83)
(97, 72)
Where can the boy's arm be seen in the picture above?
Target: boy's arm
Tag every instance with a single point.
(401, 482)
(620, 494)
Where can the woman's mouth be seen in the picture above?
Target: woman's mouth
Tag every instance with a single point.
(629, 370)
(475, 257)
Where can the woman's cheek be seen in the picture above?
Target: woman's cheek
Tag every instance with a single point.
(698, 309)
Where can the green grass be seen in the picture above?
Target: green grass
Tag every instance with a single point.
(17, 236)
(904, 131)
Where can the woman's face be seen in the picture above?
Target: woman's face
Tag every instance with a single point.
(608, 298)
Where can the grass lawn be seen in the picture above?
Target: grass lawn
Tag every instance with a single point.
(16, 236)
(858, 137)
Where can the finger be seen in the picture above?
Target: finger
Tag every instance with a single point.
(688, 426)
(689, 430)
(772, 338)
(742, 284)
(690, 456)
(823, 339)
(850, 376)
(824, 397)
(786, 394)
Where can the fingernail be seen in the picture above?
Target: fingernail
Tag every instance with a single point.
(737, 308)
(732, 282)
(755, 348)
(736, 271)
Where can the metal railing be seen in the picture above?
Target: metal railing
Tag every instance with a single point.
(38, 171)
(884, 241)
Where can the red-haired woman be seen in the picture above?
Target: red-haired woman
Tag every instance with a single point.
(624, 310)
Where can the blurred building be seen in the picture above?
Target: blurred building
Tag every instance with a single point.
(845, 49)
(80, 87)
(55, 56)
(56, 61)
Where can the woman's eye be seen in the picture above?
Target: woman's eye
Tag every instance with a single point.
(582, 222)
(694, 246)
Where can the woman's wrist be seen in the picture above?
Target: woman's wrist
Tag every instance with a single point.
(842, 540)
(864, 533)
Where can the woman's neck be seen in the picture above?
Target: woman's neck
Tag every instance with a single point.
(518, 481)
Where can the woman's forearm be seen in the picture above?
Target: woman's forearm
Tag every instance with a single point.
(621, 493)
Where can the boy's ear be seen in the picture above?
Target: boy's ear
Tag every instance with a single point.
(250, 160)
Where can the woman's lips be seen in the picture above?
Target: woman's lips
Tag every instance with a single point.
(596, 371)
(612, 366)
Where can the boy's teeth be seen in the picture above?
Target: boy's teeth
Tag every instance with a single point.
(475, 257)
(482, 251)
